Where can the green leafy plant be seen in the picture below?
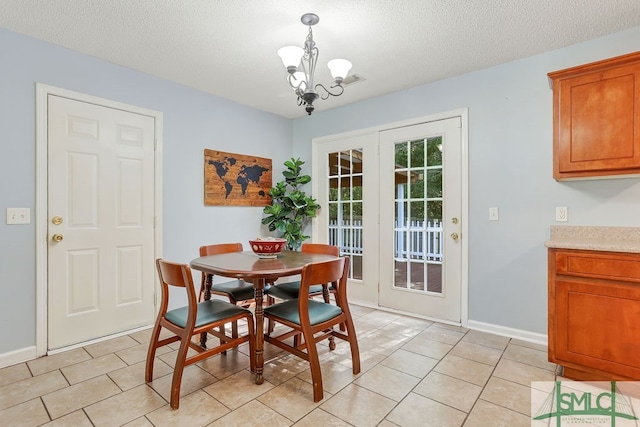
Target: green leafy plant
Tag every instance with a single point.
(291, 209)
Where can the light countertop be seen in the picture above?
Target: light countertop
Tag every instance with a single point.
(608, 239)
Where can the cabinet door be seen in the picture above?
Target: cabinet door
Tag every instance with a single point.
(596, 130)
(597, 325)
(597, 121)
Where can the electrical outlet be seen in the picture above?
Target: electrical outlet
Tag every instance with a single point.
(562, 214)
(494, 214)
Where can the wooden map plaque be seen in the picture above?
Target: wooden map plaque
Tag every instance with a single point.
(236, 179)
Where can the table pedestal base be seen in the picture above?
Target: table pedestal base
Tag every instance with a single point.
(258, 286)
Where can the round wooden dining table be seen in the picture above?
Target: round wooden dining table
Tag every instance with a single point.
(249, 267)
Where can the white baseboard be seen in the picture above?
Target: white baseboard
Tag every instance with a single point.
(475, 325)
(17, 356)
(97, 340)
(508, 332)
(29, 353)
(368, 304)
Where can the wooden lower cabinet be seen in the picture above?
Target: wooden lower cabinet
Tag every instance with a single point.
(594, 314)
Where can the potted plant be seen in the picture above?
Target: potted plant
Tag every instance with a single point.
(291, 209)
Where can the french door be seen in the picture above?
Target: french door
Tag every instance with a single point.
(346, 181)
(392, 201)
(420, 219)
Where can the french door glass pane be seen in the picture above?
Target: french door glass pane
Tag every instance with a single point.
(401, 155)
(333, 195)
(334, 166)
(345, 193)
(345, 206)
(417, 154)
(434, 183)
(346, 212)
(434, 151)
(417, 186)
(418, 208)
(401, 188)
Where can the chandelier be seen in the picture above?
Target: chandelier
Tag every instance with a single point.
(301, 66)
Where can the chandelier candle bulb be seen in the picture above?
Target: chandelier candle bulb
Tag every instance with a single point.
(339, 69)
(291, 56)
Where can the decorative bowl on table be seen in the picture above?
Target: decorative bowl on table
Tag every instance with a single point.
(268, 247)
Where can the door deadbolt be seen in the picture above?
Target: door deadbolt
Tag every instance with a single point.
(57, 237)
(56, 220)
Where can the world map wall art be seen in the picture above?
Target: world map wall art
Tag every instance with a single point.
(236, 179)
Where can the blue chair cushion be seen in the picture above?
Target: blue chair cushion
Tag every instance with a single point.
(208, 312)
(318, 311)
(290, 290)
(238, 289)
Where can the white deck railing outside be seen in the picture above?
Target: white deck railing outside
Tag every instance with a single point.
(419, 240)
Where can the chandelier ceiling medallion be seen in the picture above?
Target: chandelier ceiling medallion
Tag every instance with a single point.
(301, 66)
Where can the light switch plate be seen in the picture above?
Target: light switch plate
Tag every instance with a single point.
(18, 216)
(494, 214)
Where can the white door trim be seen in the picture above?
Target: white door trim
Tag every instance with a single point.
(41, 215)
(463, 113)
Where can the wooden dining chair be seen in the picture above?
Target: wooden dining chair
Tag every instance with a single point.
(313, 320)
(237, 291)
(291, 290)
(190, 320)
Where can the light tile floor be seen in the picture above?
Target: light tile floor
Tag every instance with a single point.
(414, 373)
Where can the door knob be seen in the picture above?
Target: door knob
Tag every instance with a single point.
(455, 236)
(57, 237)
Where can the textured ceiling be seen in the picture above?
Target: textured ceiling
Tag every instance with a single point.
(228, 47)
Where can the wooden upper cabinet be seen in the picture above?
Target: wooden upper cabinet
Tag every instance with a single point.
(596, 123)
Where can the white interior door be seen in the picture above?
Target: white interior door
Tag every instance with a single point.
(100, 221)
(421, 219)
